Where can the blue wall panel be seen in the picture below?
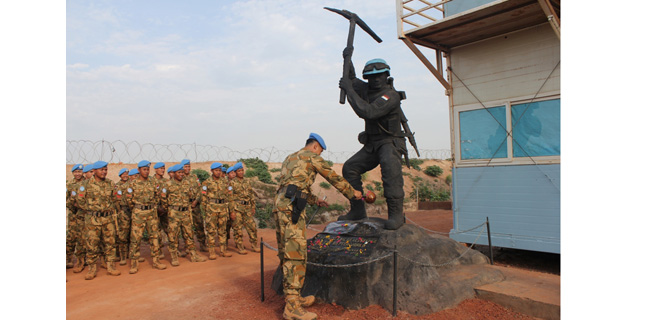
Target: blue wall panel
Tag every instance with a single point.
(522, 203)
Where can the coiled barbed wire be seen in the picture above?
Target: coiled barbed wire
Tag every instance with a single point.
(86, 151)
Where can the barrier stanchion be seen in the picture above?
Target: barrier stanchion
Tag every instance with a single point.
(487, 222)
(395, 282)
(262, 268)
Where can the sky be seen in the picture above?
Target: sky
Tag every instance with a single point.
(240, 74)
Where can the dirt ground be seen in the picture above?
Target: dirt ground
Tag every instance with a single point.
(229, 288)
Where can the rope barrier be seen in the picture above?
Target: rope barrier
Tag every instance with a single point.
(390, 254)
(438, 232)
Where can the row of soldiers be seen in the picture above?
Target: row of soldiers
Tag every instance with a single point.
(106, 219)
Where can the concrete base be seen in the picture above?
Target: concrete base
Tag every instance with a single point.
(532, 293)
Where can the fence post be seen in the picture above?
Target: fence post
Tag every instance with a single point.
(487, 221)
(395, 281)
(262, 267)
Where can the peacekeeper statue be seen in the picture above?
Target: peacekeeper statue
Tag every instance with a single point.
(97, 197)
(298, 172)
(176, 197)
(74, 240)
(143, 198)
(214, 196)
(197, 217)
(244, 204)
(384, 143)
(123, 216)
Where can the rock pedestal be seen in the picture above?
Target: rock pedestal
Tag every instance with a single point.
(430, 274)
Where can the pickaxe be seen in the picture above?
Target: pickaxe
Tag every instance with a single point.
(354, 20)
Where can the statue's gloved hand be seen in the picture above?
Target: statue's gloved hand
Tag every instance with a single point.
(345, 84)
(347, 52)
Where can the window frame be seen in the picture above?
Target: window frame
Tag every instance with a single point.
(510, 159)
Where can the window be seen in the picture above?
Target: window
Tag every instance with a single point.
(483, 134)
(536, 128)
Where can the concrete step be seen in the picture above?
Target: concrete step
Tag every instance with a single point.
(532, 293)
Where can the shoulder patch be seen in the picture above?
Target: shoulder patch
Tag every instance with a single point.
(164, 190)
(73, 193)
(385, 97)
(129, 190)
(82, 188)
(119, 192)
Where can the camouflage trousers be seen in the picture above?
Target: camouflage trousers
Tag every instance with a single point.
(99, 236)
(124, 228)
(236, 226)
(74, 243)
(141, 221)
(180, 222)
(249, 225)
(292, 246)
(197, 221)
(216, 217)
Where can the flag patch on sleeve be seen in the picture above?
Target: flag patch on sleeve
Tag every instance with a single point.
(385, 97)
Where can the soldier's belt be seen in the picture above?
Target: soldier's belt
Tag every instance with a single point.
(217, 201)
(299, 194)
(178, 208)
(99, 213)
(244, 202)
(125, 208)
(143, 207)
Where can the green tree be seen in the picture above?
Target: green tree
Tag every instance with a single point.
(257, 168)
(433, 171)
(202, 174)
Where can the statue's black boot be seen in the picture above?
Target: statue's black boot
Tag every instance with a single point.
(357, 211)
(395, 214)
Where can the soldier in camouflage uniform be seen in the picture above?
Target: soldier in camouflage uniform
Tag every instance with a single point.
(214, 196)
(298, 173)
(245, 205)
(123, 216)
(197, 217)
(88, 171)
(143, 198)
(74, 240)
(235, 215)
(97, 197)
(160, 180)
(176, 197)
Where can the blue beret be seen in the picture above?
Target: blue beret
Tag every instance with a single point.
(238, 166)
(216, 165)
(171, 169)
(158, 165)
(319, 139)
(184, 162)
(123, 170)
(99, 164)
(78, 166)
(144, 163)
(231, 169)
(88, 167)
(133, 172)
(223, 169)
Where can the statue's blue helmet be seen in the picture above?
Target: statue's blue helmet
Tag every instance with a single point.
(375, 66)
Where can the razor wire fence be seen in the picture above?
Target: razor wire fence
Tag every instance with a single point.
(86, 151)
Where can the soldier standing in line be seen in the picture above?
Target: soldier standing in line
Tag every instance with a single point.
(215, 199)
(197, 217)
(97, 197)
(160, 181)
(88, 171)
(133, 174)
(74, 241)
(299, 170)
(245, 205)
(176, 200)
(143, 199)
(235, 215)
(123, 216)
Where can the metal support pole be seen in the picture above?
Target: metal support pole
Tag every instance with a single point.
(395, 282)
(487, 221)
(262, 267)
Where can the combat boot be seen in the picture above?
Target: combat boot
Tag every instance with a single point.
(255, 248)
(202, 247)
(357, 211)
(111, 269)
(294, 311)
(134, 266)
(141, 259)
(174, 257)
(92, 272)
(395, 214)
(122, 256)
(158, 265)
(307, 301)
(102, 262)
(81, 264)
(195, 257)
(68, 261)
(241, 250)
(224, 252)
(212, 253)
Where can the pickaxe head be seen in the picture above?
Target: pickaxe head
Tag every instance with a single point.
(354, 18)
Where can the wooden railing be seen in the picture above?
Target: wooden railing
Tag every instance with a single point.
(417, 13)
